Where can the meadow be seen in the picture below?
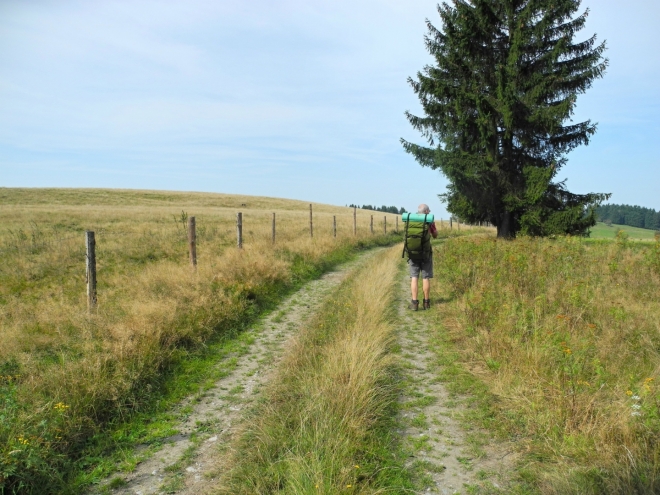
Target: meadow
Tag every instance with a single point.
(604, 231)
(555, 341)
(563, 338)
(67, 375)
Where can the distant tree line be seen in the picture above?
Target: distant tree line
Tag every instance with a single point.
(634, 216)
(385, 209)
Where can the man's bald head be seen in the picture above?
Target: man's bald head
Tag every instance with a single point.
(423, 209)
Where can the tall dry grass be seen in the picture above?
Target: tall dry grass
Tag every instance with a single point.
(323, 427)
(65, 373)
(566, 334)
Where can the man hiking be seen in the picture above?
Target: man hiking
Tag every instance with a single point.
(420, 256)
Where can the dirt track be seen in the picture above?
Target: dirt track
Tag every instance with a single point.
(441, 454)
(185, 464)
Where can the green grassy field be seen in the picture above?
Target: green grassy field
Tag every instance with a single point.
(602, 231)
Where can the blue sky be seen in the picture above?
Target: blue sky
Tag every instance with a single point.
(287, 98)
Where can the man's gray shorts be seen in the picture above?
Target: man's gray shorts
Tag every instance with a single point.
(426, 267)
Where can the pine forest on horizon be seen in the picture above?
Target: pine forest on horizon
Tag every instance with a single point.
(633, 216)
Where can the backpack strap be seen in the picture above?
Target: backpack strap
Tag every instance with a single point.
(425, 231)
(405, 240)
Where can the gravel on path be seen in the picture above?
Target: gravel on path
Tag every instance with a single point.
(444, 457)
(186, 461)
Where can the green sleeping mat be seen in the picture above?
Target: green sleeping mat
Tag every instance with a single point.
(417, 217)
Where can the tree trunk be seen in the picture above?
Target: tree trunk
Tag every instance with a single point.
(505, 227)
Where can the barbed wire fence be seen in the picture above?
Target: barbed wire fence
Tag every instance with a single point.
(37, 240)
(83, 243)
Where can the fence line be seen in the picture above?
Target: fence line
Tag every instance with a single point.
(189, 225)
(91, 236)
(49, 239)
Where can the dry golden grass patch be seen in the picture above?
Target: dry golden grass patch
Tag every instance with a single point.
(153, 308)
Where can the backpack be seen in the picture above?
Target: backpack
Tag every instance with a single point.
(417, 241)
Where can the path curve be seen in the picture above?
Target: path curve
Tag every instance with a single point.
(185, 463)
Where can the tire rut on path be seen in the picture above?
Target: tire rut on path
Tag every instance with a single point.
(185, 462)
(443, 456)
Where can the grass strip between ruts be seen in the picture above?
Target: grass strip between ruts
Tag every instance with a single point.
(326, 425)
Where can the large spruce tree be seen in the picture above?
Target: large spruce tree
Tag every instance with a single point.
(498, 104)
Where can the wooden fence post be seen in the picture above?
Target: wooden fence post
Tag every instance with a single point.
(396, 220)
(385, 225)
(372, 224)
(451, 224)
(355, 220)
(311, 225)
(334, 226)
(239, 230)
(91, 270)
(192, 242)
(273, 227)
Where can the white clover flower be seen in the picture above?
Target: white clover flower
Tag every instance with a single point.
(635, 397)
(636, 407)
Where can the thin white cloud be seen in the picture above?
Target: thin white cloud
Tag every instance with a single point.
(275, 89)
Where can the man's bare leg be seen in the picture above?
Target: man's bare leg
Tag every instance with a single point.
(414, 287)
(426, 287)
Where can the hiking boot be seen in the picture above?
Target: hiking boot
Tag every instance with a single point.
(414, 305)
(427, 304)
